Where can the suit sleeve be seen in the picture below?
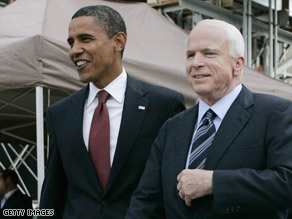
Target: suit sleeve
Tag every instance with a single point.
(147, 200)
(248, 190)
(177, 106)
(54, 188)
(26, 204)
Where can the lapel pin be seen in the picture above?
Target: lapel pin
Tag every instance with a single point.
(141, 107)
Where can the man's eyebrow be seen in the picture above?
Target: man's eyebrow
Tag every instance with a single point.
(209, 49)
(70, 39)
(85, 35)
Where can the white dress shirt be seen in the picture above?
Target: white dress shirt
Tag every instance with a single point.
(7, 196)
(220, 108)
(115, 105)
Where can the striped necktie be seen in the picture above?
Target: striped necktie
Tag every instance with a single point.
(202, 141)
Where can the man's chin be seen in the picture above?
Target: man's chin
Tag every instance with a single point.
(84, 79)
(201, 89)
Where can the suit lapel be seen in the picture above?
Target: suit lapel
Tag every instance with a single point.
(232, 124)
(184, 133)
(132, 120)
(183, 137)
(75, 116)
(10, 202)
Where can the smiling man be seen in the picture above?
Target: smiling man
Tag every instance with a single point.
(100, 137)
(229, 156)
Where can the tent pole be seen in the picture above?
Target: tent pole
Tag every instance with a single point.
(48, 137)
(40, 138)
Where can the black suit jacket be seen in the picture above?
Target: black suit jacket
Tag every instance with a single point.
(17, 201)
(251, 156)
(71, 185)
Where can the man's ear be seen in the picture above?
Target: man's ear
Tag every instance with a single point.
(120, 40)
(238, 65)
(8, 180)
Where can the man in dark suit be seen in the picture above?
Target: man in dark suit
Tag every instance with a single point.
(230, 155)
(77, 184)
(12, 197)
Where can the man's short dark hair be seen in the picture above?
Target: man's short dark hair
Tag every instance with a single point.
(106, 18)
(11, 174)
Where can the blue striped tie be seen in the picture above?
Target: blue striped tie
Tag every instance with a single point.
(202, 141)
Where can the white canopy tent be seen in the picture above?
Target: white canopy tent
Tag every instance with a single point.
(34, 55)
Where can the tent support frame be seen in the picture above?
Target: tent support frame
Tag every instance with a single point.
(40, 137)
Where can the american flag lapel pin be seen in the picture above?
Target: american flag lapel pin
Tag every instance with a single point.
(141, 107)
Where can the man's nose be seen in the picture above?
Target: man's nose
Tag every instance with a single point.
(75, 50)
(198, 61)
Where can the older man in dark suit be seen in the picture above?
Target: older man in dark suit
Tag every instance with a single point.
(230, 155)
(100, 137)
(12, 197)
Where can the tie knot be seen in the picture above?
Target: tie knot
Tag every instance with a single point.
(210, 115)
(103, 96)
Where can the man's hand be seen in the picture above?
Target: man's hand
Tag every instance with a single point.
(194, 183)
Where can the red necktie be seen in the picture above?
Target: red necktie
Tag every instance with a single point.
(99, 139)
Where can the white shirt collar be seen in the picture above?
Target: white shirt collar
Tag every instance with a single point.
(221, 107)
(9, 194)
(116, 89)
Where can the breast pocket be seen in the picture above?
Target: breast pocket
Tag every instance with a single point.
(244, 144)
(246, 153)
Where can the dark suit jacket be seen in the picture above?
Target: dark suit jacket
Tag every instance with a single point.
(17, 201)
(71, 185)
(251, 156)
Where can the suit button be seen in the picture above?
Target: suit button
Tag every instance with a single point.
(227, 209)
(232, 209)
(237, 209)
(103, 204)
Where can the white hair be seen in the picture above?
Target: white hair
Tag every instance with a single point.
(236, 42)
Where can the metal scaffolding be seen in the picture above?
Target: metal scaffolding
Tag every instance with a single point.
(22, 130)
(267, 41)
